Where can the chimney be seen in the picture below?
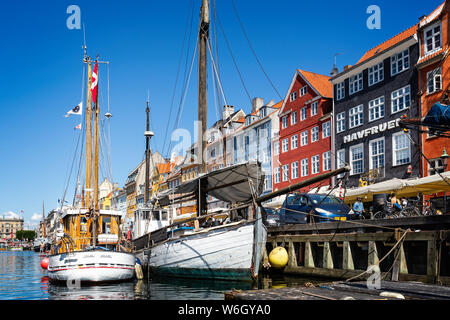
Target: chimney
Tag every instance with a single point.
(334, 71)
(227, 111)
(347, 67)
(257, 103)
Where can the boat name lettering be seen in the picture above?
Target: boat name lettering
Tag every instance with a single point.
(70, 260)
(89, 256)
(105, 256)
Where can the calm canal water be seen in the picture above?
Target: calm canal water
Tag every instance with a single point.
(22, 278)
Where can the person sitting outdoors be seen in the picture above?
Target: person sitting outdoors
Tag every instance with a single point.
(395, 203)
(358, 207)
(404, 202)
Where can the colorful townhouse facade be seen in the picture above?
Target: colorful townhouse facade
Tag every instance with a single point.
(433, 68)
(369, 100)
(303, 148)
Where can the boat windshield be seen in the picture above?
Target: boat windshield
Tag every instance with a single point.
(324, 199)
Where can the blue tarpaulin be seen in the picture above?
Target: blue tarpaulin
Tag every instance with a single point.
(439, 115)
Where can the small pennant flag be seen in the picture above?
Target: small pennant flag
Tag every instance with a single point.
(76, 110)
(78, 127)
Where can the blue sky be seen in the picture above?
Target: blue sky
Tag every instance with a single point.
(41, 72)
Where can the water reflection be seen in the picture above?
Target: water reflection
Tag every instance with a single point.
(21, 277)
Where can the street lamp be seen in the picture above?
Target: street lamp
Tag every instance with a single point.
(444, 158)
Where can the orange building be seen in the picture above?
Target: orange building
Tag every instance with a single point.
(434, 78)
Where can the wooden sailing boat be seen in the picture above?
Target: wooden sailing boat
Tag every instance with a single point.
(228, 251)
(88, 248)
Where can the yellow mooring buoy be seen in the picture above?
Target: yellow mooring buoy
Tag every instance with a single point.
(278, 257)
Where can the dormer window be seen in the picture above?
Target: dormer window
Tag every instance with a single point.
(248, 120)
(263, 112)
(432, 38)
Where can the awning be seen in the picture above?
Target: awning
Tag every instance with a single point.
(402, 187)
(231, 184)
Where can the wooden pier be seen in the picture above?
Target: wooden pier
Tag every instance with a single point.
(388, 290)
(405, 249)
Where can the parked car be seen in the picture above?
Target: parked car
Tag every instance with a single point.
(273, 217)
(325, 208)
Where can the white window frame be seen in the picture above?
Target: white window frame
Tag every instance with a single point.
(284, 122)
(340, 90)
(372, 155)
(326, 161)
(304, 167)
(303, 90)
(401, 93)
(304, 138)
(303, 113)
(276, 148)
(435, 78)
(433, 38)
(326, 129)
(315, 164)
(340, 160)
(294, 170)
(293, 96)
(356, 115)
(356, 83)
(314, 108)
(395, 149)
(285, 172)
(402, 59)
(376, 73)
(293, 117)
(315, 134)
(277, 174)
(294, 142)
(340, 122)
(352, 169)
(285, 145)
(376, 109)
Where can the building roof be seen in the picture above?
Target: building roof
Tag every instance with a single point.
(432, 16)
(164, 167)
(319, 82)
(389, 43)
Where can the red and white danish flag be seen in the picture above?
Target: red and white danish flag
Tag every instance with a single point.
(94, 85)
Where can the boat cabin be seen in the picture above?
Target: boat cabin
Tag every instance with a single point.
(78, 230)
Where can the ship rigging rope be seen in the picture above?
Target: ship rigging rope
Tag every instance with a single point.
(253, 50)
(234, 60)
(190, 19)
(213, 64)
(183, 98)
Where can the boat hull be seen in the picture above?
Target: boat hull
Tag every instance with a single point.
(92, 266)
(227, 252)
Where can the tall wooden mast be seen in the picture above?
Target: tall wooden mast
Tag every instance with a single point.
(88, 137)
(202, 101)
(96, 147)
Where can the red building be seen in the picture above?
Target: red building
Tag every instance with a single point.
(434, 79)
(305, 131)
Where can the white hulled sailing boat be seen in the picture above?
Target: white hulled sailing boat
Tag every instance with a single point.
(88, 249)
(232, 250)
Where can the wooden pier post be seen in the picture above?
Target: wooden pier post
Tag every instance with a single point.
(292, 259)
(399, 263)
(432, 260)
(372, 258)
(327, 257)
(347, 258)
(309, 260)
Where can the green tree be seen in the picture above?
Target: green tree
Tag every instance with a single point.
(25, 235)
